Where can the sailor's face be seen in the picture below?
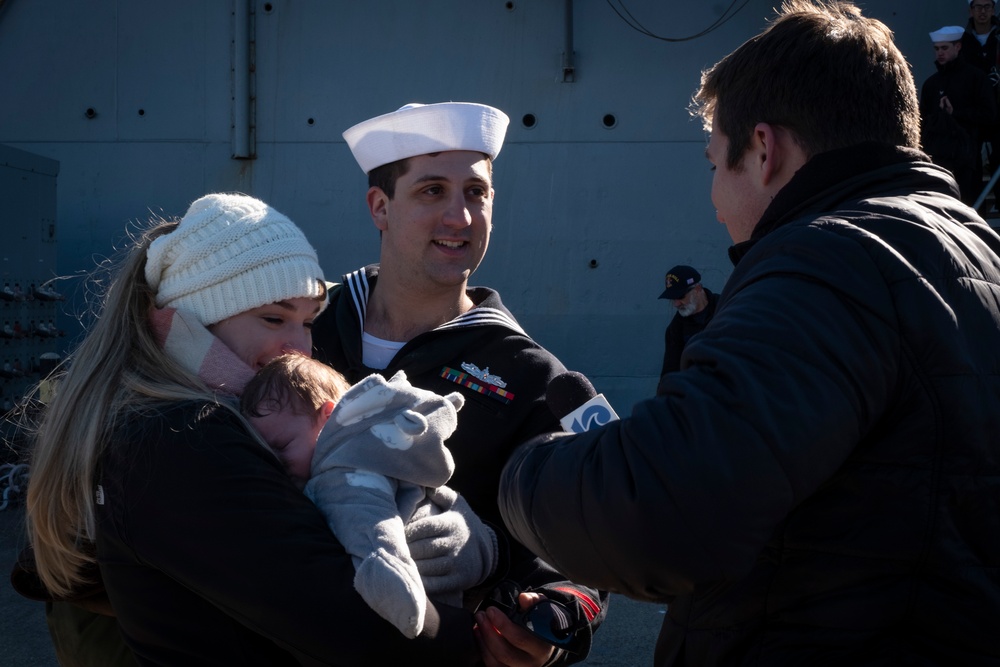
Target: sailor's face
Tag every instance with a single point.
(437, 226)
(981, 11)
(945, 52)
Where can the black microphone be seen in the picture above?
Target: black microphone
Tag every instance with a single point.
(572, 398)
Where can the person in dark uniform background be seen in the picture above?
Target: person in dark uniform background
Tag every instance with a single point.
(957, 109)
(695, 306)
(979, 49)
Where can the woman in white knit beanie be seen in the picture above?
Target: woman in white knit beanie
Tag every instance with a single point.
(230, 256)
(147, 483)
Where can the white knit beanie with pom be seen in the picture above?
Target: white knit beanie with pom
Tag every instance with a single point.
(229, 254)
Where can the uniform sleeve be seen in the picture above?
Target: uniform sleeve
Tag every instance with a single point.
(210, 509)
(523, 566)
(772, 398)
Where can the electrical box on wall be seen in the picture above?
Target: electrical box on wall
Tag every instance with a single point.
(29, 298)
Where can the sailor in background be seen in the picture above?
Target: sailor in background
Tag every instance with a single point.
(957, 109)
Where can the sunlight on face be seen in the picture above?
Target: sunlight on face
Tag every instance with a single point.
(436, 228)
(739, 205)
(261, 334)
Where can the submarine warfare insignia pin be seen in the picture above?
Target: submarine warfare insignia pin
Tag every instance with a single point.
(480, 381)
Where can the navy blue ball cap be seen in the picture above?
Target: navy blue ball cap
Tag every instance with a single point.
(679, 281)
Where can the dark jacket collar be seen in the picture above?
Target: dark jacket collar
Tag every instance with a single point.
(829, 178)
(488, 308)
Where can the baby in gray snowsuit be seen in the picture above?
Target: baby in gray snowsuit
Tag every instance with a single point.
(378, 473)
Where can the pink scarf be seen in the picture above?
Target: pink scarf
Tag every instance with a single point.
(189, 343)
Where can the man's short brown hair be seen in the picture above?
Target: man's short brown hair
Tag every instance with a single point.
(821, 70)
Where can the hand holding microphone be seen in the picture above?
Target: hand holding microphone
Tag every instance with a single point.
(573, 399)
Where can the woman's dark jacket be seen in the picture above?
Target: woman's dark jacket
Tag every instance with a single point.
(212, 556)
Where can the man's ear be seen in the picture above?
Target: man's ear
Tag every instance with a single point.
(326, 410)
(378, 207)
(777, 155)
(766, 153)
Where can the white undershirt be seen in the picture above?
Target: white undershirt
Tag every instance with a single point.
(376, 353)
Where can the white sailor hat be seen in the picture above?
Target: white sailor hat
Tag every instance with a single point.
(418, 129)
(949, 33)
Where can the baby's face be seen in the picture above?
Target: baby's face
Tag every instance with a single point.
(292, 437)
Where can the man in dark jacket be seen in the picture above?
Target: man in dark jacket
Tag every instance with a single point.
(695, 306)
(957, 110)
(820, 484)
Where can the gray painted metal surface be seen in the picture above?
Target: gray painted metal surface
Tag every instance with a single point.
(604, 191)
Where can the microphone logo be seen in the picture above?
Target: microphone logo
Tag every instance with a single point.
(594, 413)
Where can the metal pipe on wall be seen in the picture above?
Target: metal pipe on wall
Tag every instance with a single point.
(568, 66)
(242, 92)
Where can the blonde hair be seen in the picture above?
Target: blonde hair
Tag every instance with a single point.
(294, 381)
(117, 371)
